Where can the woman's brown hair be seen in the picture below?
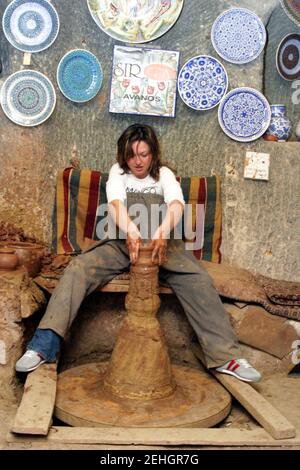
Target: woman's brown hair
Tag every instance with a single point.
(136, 133)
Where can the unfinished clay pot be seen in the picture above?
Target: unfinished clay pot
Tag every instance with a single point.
(29, 256)
(8, 259)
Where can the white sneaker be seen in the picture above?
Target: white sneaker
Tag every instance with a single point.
(241, 369)
(29, 361)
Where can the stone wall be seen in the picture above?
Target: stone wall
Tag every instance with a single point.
(20, 298)
(261, 219)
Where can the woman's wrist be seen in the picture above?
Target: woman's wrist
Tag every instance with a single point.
(133, 231)
(160, 233)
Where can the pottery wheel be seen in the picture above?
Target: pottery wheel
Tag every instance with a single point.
(139, 387)
(198, 401)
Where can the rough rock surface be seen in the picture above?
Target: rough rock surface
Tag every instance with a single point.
(18, 299)
(256, 327)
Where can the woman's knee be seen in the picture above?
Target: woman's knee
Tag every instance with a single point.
(77, 265)
(201, 280)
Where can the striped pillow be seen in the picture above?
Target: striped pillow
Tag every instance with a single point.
(80, 192)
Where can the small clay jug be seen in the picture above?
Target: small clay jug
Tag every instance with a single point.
(8, 259)
(29, 256)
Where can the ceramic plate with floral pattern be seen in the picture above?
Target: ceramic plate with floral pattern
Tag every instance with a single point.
(30, 26)
(28, 98)
(135, 21)
(238, 35)
(202, 82)
(244, 114)
(79, 75)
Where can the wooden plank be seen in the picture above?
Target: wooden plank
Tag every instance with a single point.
(34, 415)
(265, 413)
(117, 281)
(115, 285)
(269, 417)
(122, 285)
(160, 437)
(113, 288)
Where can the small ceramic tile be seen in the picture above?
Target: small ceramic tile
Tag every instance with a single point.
(257, 166)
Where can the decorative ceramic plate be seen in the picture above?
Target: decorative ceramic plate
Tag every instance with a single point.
(244, 114)
(238, 35)
(292, 9)
(135, 21)
(79, 75)
(28, 98)
(30, 26)
(288, 57)
(202, 82)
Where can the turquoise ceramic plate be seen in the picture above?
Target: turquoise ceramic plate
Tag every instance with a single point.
(79, 75)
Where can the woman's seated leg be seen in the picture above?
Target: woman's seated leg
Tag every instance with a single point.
(83, 275)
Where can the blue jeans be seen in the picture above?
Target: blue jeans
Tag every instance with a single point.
(47, 343)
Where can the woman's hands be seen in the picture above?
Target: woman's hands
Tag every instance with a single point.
(133, 243)
(159, 247)
(159, 242)
(120, 215)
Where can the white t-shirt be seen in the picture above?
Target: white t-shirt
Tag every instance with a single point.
(119, 184)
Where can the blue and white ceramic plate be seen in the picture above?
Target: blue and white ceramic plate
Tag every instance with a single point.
(79, 75)
(202, 82)
(288, 57)
(238, 35)
(28, 98)
(244, 114)
(30, 26)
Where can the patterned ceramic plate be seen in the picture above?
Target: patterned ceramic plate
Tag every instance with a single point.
(30, 26)
(292, 9)
(288, 57)
(238, 35)
(244, 114)
(79, 75)
(28, 98)
(135, 21)
(202, 82)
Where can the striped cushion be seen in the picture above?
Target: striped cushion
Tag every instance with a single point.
(80, 192)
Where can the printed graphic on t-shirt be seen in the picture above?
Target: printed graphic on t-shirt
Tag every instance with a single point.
(146, 190)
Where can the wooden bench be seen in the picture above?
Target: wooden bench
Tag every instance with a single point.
(121, 284)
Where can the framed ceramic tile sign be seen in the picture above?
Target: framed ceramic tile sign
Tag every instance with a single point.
(144, 81)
